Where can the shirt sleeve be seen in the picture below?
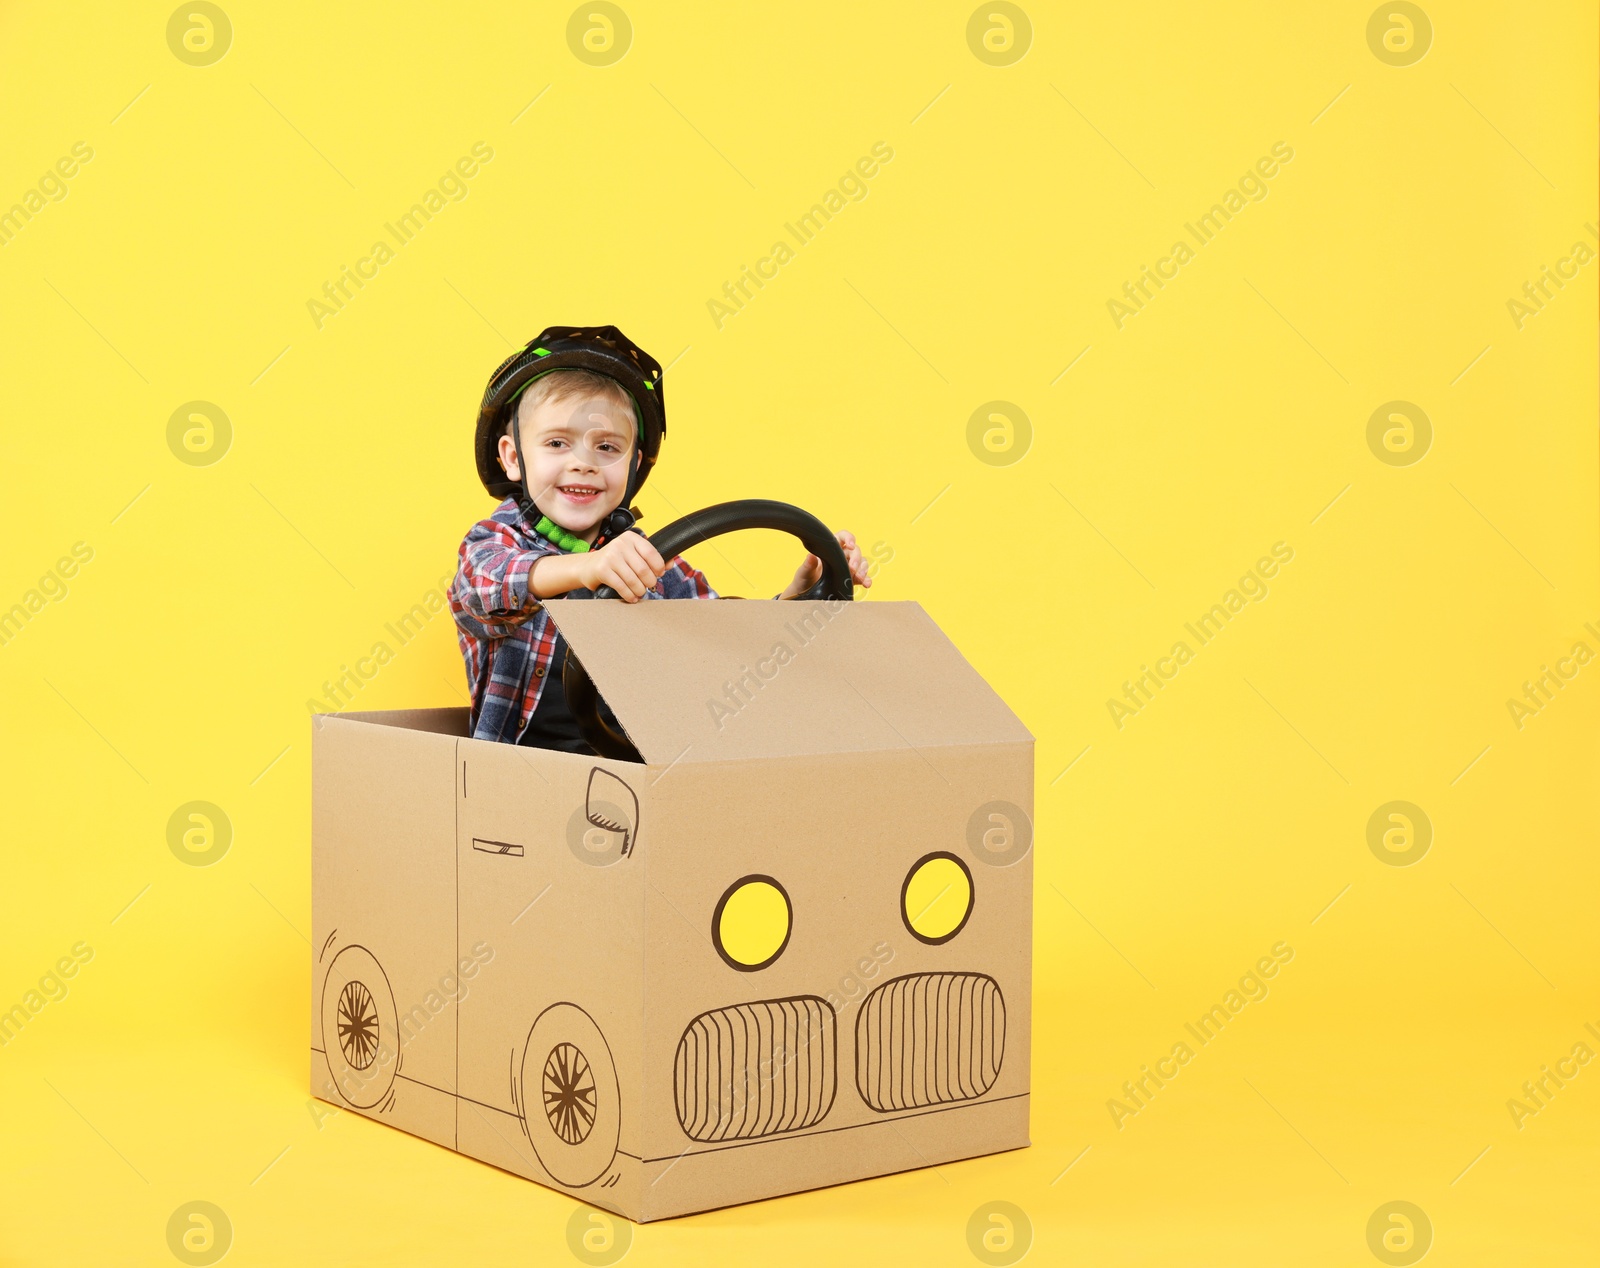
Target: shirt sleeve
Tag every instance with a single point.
(489, 596)
(683, 581)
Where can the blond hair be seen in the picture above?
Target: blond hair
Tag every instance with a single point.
(565, 385)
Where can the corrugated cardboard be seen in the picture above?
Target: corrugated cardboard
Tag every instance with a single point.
(515, 952)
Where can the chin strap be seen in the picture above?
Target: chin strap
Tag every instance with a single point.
(614, 525)
(624, 517)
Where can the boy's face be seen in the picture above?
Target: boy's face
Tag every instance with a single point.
(579, 453)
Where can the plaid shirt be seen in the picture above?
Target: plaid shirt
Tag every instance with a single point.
(507, 639)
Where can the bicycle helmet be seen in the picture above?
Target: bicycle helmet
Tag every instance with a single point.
(603, 349)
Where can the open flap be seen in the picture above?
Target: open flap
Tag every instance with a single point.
(702, 681)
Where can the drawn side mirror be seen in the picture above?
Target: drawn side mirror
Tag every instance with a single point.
(612, 807)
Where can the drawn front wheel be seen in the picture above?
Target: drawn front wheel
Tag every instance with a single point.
(571, 1104)
(360, 1028)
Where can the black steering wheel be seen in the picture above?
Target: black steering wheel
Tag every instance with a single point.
(681, 535)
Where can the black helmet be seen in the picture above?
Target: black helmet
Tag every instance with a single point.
(603, 349)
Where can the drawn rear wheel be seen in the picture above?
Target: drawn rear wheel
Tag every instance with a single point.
(360, 1028)
(571, 1104)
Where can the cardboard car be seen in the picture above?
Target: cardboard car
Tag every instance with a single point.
(789, 948)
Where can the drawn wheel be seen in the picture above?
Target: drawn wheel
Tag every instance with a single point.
(358, 1025)
(360, 1028)
(571, 1105)
(569, 1101)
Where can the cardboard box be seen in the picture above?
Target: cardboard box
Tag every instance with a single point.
(677, 985)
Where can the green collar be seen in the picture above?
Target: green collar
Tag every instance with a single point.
(551, 531)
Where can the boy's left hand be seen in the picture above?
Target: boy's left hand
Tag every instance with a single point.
(810, 572)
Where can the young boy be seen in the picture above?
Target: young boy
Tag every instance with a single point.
(569, 430)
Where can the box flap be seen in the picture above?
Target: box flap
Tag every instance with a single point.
(725, 680)
(447, 721)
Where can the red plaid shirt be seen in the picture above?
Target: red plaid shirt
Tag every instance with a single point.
(506, 638)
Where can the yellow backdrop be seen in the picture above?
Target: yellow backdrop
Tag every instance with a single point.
(1266, 331)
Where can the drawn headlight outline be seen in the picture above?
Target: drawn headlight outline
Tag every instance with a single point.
(728, 895)
(906, 917)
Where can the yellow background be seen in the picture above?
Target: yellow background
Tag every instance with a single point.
(1225, 417)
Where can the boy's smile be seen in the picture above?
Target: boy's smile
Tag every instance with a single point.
(579, 454)
(579, 494)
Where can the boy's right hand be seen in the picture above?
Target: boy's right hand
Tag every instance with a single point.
(629, 564)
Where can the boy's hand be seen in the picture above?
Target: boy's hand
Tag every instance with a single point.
(810, 572)
(629, 564)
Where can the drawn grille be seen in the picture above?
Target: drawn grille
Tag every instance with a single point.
(928, 1039)
(756, 1069)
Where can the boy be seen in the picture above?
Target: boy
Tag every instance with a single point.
(569, 430)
